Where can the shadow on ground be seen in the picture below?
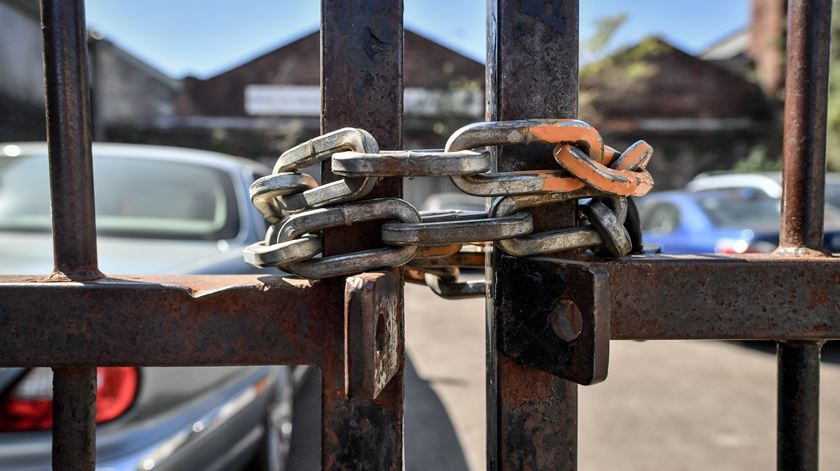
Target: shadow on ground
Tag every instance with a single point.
(430, 440)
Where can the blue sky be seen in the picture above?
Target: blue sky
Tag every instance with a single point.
(204, 37)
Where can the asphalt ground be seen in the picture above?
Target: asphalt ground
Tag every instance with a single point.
(666, 405)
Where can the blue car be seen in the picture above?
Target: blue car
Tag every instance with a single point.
(732, 221)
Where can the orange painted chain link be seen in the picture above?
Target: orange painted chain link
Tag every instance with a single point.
(625, 177)
(581, 152)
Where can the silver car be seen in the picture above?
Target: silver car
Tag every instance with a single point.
(159, 211)
(768, 183)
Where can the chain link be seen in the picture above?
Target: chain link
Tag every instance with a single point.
(434, 246)
(457, 231)
(410, 163)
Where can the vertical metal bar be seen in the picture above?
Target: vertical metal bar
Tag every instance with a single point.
(806, 101)
(69, 138)
(361, 86)
(532, 71)
(803, 200)
(73, 215)
(74, 436)
(798, 406)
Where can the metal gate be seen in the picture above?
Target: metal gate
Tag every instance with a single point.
(78, 318)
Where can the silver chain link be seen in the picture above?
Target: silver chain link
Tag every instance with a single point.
(434, 246)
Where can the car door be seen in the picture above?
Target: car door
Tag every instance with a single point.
(661, 226)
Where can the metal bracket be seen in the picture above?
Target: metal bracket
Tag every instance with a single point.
(371, 333)
(555, 316)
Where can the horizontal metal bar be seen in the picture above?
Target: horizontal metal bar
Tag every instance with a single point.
(721, 297)
(248, 319)
(158, 320)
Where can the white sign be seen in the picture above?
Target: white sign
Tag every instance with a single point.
(283, 100)
(426, 102)
(305, 100)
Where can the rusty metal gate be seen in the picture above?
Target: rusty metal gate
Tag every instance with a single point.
(352, 328)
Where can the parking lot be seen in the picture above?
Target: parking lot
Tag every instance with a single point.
(666, 405)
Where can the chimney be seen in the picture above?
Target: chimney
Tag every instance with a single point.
(767, 43)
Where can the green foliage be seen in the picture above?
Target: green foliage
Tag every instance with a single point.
(605, 29)
(610, 75)
(758, 161)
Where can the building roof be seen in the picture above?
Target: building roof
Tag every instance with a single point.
(654, 86)
(427, 65)
(729, 47)
(137, 64)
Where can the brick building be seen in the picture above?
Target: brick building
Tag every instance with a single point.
(700, 113)
(272, 102)
(278, 93)
(697, 115)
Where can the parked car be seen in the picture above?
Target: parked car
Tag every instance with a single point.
(768, 183)
(159, 210)
(742, 220)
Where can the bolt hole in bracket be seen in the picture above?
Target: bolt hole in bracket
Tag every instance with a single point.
(372, 338)
(555, 317)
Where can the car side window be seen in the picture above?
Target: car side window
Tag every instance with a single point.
(661, 219)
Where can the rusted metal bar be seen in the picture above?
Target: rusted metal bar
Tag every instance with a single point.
(806, 101)
(532, 71)
(73, 214)
(803, 202)
(269, 320)
(707, 297)
(74, 439)
(359, 433)
(182, 320)
(69, 138)
(361, 86)
(798, 395)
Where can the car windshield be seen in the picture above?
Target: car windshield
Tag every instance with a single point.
(134, 198)
(733, 211)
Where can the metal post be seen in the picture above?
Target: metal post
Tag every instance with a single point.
(69, 138)
(803, 199)
(532, 71)
(74, 416)
(798, 406)
(73, 215)
(361, 86)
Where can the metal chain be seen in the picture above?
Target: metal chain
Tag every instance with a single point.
(434, 246)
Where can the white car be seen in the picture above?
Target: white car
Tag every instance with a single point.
(768, 183)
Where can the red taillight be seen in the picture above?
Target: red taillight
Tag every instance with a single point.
(115, 391)
(28, 404)
(741, 246)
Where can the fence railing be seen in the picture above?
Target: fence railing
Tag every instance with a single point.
(67, 320)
